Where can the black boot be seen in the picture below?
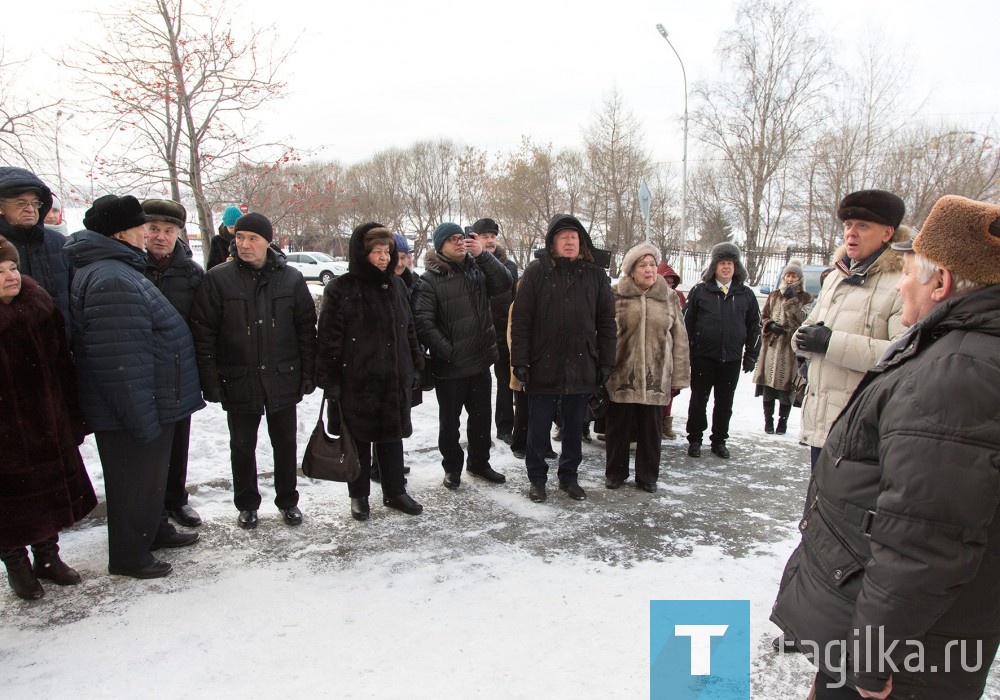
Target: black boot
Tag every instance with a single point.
(49, 566)
(783, 411)
(769, 417)
(19, 574)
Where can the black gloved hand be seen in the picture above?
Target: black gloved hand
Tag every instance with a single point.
(772, 327)
(521, 372)
(748, 364)
(604, 374)
(416, 380)
(308, 386)
(212, 395)
(813, 338)
(789, 292)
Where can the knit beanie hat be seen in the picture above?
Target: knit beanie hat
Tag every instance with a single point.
(637, 253)
(230, 215)
(444, 232)
(165, 210)
(112, 214)
(486, 226)
(793, 266)
(878, 206)
(963, 235)
(402, 245)
(8, 251)
(255, 223)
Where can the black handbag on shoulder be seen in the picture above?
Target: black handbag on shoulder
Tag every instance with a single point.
(329, 457)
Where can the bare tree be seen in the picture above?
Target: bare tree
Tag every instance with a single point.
(760, 118)
(21, 118)
(429, 186)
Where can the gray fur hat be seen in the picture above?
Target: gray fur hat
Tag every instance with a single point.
(793, 266)
(637, 253)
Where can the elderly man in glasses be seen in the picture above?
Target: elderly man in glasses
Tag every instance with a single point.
(24, 202)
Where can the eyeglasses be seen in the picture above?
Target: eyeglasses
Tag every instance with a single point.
(456, 239)
(25, 203)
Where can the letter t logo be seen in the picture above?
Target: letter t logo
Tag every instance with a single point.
(701, 645)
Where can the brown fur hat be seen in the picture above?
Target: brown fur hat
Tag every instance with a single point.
(8, 251)
(963, 235)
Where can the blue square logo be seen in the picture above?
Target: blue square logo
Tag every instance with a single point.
(699, 650)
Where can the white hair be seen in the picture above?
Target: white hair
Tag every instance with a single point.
(926, 269)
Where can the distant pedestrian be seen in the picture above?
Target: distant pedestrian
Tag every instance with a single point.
(674, 280)
(221, 243)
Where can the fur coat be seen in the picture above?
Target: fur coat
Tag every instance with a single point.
(776, 366)
(44, 486)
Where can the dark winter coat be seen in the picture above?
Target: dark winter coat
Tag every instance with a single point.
(179, 281)
(723, 328)
(40, 248)
(451, 311)
(134, 357)
(500, 304)
(255, 335)
(902, 520)
(563, 322)
(367, 346)
(44, 485)
(218, 247)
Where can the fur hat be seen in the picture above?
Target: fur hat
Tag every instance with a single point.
(165, 210)
(230, 215)
(725, 251)
(443, 232)
(795, 267)
(255, 223)
(963, 235)
(8, 251)
(112, 214)
(637, 253)
(402, 245)
(486, 226)
(878, 206)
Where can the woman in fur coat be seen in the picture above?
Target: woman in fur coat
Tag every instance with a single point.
(652, 365)
(784, 311)
(44, 486)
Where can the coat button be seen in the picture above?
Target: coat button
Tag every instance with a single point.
(804, 524)
(838, 574)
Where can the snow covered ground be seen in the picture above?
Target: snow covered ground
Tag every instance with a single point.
(485, 595)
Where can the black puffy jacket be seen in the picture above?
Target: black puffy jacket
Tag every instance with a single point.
(179, 281)
(563, 320)
(135, 362)
(723, 328)
(255, 335)
(451, 310)
(901, 529)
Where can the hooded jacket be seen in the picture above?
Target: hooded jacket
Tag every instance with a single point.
(255, 335)
(134, 356)
(451, 311)
(673, 279)
(218, 247)
(563, 320)
(367, 346)
(901, 528)
(40, 249)
(864, 312)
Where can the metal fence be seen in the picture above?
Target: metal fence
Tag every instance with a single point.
(695, 263)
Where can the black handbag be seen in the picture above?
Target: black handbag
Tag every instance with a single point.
(329, 457)
(598, 403)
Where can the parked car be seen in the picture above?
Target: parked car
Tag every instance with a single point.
(316, 266)
(810, 274)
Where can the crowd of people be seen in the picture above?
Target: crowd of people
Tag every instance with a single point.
(118, 331)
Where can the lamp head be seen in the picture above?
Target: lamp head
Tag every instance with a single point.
(661, 30)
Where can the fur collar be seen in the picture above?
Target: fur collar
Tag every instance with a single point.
(660, 291)
(438, 264)
(31, 300)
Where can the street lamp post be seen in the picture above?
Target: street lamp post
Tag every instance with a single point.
(684, 162)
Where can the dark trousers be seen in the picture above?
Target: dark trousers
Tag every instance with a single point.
(135, 478)
(814, 453)
(519, 436)
(823, 692)
(542, 410)
(474, 394)
(504, 413)
(281, 429)
(176, 495)
(708, 376)
(646, 423)
(390, 466)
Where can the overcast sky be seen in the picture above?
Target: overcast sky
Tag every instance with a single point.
(370, 75)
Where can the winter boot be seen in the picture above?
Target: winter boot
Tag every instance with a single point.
(19, 574)
(769, 417)
(49, 566)
(668, 428)
(783, 411)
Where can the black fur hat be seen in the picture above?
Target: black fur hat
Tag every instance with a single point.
(112, 214)
(878, 206)
(725, 251)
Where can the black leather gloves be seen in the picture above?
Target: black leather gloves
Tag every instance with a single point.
(604, 374)
(813, 338)
(521, 372)
(748, 364)
(308, 386)
(772, 327)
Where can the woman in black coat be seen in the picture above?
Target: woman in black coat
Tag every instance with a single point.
(44, 486)
(368, 361)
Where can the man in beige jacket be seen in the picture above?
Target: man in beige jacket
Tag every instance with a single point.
(857, 313)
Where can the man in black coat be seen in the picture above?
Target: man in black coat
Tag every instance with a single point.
(171, 267)
(254, 325)
(894, 590)
(723, 324)
(563, 338)
(451, 311)
(488, 230)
